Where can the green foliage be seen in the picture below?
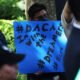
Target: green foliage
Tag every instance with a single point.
(22, 77)
(9, 9)
(7, 28)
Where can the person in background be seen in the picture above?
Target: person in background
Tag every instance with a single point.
(8, 63)
(38, 12)
(72, 53)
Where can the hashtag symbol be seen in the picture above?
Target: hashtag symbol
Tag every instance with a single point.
(19, 29)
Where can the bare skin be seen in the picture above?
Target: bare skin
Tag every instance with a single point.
(67, 13)
(8, 72)
(42, 13)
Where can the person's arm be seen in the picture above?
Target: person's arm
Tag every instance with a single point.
(67, 14)
(66, 19)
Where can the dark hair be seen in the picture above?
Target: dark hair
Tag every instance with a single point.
(75, 8)
(35, 8)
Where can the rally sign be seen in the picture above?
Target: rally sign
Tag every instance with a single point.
(43, 42)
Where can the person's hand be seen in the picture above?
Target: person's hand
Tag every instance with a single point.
(38, 73)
